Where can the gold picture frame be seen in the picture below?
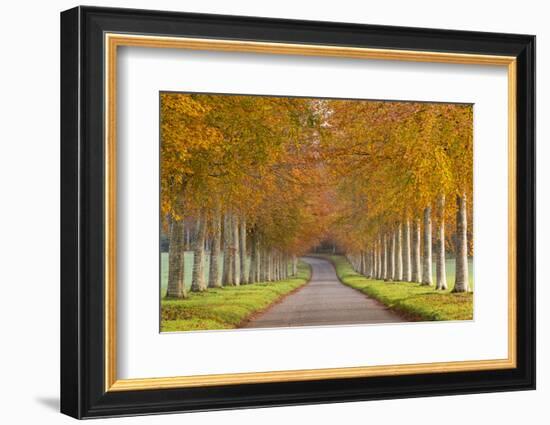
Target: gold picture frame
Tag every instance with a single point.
(114, 41)
(91, 40)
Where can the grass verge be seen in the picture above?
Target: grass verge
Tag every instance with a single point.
(227, 307)
(415, 301)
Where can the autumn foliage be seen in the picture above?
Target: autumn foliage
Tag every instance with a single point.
(267, 179)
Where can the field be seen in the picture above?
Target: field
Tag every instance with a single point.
(413, 300)
(227, 307)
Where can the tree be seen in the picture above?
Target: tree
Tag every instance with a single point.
(243, 253)
(461, 283)
(273, 177)
(176, 268)
(214, 278)
(416, 262)
(181, 121)
(198, 284)
(407, 272)
(441, 274)
(228, 251)
(393, 161)
(427, 263)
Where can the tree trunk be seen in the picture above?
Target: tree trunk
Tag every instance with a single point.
(273, 266)
(187, 239)
(368, 263)
(393, 271)
(376, 270)
(214, 280)
(416, 264)
(407, 273)
(259, 262)
(371, 263)
(440, 272)
(228, 251)
(399, 253)
(264, 260)
(269, 265)
(380, 264)
(258, 253)
(266, 265)
(462, 283)
(243, 247)
(370, 271)
(254, 260)
(252, 266)
(236, 253)
(375, 260)
(294, 265)
(276, 264)
(427, 264)
(199, 284)
(385, 265)
(176, 261)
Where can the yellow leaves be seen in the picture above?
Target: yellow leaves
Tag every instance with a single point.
(182, 105)
(394, 158)
(299, 168)
(237, 151)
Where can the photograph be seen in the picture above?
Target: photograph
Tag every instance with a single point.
(282, 212)
(286, 210)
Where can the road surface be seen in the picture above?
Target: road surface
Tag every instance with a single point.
(323, 301)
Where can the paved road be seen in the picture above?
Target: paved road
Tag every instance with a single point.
(323, 301)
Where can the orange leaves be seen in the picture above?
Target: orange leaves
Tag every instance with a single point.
(303, 169)
(243, 153)
(391, 159)
(187, 143)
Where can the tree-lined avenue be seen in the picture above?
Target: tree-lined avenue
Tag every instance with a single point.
(323, 301)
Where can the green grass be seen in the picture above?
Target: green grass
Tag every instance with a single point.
(227, 307)
(414, 300)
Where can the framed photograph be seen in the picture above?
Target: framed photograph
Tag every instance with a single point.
(261, 212)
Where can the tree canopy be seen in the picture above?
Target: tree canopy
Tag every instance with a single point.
(298, 171)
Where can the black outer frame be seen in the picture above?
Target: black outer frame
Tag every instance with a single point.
(82, 207)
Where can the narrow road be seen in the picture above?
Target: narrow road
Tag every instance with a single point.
(324, 301)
